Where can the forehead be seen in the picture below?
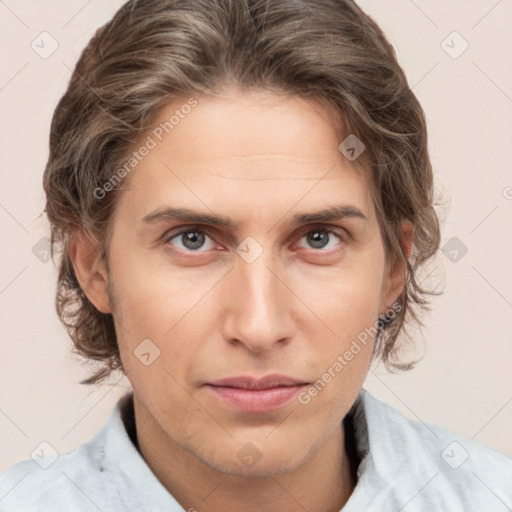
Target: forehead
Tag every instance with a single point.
(242, 148)
(252, 125)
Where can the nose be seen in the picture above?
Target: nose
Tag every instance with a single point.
(258, 305)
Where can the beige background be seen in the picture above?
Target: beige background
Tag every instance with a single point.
(464, 380)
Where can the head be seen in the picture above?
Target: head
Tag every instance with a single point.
(188, 157)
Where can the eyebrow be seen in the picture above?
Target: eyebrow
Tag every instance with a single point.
(332, 213)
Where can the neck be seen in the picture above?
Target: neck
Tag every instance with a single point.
(323, 482)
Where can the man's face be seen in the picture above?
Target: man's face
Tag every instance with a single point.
(262, 296)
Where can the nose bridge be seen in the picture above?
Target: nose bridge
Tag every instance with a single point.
(260, 285)
(258, 304)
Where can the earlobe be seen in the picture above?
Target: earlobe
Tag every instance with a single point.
(90, 272)
(395, 280)
(407, 238)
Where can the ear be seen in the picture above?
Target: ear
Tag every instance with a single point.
(90, 272)
(395, 278)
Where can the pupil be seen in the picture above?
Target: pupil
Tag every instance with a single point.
(193, 239)
(315, 237)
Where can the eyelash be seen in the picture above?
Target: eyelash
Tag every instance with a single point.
(170, 235)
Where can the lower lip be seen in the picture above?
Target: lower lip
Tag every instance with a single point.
(256, 400)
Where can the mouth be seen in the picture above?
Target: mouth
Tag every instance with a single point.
(249, 394)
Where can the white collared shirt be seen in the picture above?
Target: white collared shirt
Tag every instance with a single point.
(405, 465)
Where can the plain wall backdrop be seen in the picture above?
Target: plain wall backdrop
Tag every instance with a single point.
(464, 381)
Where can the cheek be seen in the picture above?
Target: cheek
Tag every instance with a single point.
(341, 328)
(346, 298)
(340, 365)
(161, 314)
(143, 290)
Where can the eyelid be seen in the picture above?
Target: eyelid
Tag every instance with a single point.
(339, 231)
(179, 230)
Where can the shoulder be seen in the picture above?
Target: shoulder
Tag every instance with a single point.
(106, 473)
(52, 482)
(430, 464)
(78, 480)
(442, 447)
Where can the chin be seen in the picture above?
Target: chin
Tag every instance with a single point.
(263, 468)
(249, 461)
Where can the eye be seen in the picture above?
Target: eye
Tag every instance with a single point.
(190, 240)
(320, 238)
(197, 240)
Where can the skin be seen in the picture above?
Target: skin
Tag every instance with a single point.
(258, 159)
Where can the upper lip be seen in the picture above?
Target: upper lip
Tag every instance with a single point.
(268, 381)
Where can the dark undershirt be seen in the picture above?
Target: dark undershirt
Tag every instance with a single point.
(350, 445)
(128, 418)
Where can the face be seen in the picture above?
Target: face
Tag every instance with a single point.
(267, 289)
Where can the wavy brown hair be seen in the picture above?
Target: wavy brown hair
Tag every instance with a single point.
(153, 52)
